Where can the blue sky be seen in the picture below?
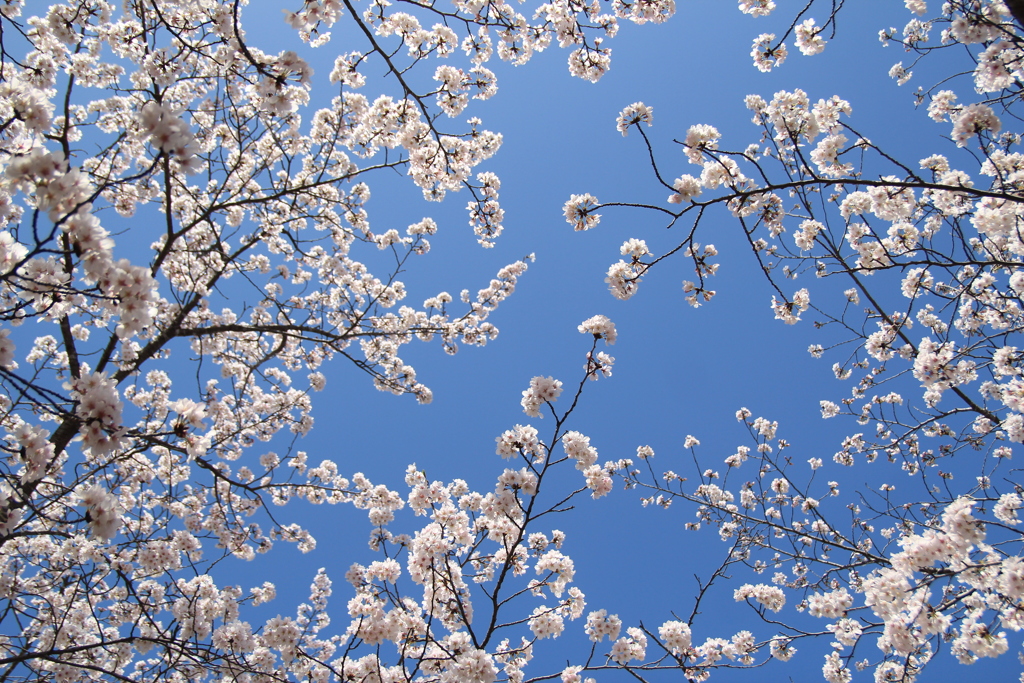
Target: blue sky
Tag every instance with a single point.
(679, 371)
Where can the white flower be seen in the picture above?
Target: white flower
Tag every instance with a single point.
(634, 115)
(579, 211)
(601, 327)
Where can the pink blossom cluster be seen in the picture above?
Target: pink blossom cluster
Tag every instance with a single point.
(601, 327)
(168, 133)
(542, 390)
(99, 408)
(101, 512)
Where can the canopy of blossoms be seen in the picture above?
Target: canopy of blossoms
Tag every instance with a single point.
(124, 484)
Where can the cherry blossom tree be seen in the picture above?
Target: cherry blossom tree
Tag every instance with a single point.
(159, 123)
(923, 325)
(123, 484)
